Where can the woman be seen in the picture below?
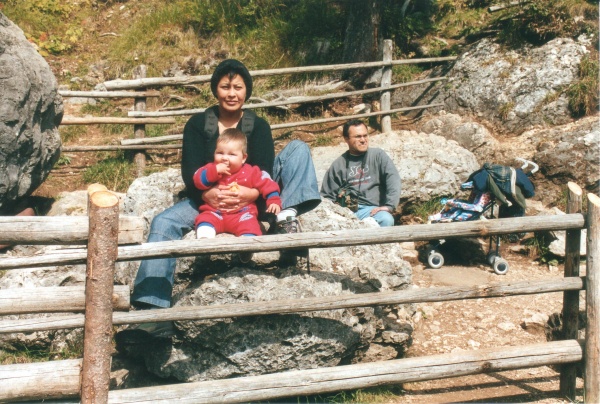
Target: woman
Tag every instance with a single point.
(293, 169)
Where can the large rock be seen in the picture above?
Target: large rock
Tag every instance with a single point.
(469, 135)
(512, 90)
(30, 112)
(571, 153)
(233, 347)
(429, 165)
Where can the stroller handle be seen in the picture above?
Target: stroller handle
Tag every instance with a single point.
(527, 163)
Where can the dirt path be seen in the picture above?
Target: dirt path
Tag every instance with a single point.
(483, 323)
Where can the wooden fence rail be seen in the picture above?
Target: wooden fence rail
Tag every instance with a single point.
(319, 239)
(140, 117)
(30, 381)
(301, 305)
(55, 299)
(40, 381)
(183, 81)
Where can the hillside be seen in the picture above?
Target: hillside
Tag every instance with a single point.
(105, 48)
(88, 42)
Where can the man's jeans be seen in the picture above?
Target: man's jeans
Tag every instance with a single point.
(293, 169)
(383, 218)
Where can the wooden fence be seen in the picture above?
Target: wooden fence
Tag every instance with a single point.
(88, 378)
(139, 117)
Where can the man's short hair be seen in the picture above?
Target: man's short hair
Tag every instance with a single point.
(234, 135)
(349, 124)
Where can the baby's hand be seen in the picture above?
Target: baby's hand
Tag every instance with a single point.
(274, 208)
(223, 169)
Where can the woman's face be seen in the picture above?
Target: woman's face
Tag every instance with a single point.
(231, 93)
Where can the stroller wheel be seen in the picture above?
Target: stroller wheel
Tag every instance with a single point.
(435, 260)
(491, 257)
(500, 266)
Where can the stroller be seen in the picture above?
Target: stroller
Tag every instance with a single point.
(490, 185)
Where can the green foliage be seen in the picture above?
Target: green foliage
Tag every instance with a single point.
(24, 354)
(505, 109)
(157, 130)
(538, 247)
(63, 160)
(583, 95)
(405, 73)
(456, 19)
(116, 173)
(50, 24)
(425, 209)
(71, 132)
(540, 21)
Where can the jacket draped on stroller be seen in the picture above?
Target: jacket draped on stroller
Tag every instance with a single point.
(508, 186)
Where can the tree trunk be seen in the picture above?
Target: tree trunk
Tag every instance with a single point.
(363, 42)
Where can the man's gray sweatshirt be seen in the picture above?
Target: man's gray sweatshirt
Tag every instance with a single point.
(373, 175)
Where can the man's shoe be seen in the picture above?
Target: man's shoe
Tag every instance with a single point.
(137, 333)
(290, 226)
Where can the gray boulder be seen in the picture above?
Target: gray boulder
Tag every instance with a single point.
(470, 135)
(213, 349)
(429, 165)
(30, 112)
(511, 90)
(571, 153)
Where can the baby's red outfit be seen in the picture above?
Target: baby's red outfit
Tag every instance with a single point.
(245, 220)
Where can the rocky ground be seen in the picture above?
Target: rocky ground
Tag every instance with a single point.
(455, 326)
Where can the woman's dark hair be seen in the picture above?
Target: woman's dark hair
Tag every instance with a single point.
(350, 123)
(231, 68)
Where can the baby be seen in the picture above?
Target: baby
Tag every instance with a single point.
(230, 168)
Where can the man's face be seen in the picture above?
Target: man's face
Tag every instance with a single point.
(358, 139)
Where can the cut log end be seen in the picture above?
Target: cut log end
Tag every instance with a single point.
(574, 188)
(95, 188)
(594, 199)
(104, 199)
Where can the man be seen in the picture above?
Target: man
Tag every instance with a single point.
(364, 174)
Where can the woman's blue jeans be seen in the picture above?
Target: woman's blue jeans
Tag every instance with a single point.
(293, 169)
(383, 218)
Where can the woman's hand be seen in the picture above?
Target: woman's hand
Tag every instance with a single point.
(224, 199)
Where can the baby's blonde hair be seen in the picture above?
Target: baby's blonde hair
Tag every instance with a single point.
(234, 135)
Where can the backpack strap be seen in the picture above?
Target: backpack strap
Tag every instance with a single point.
(248, 122)
(211, 123)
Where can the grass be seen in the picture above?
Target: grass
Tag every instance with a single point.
(540, 21)
(26, 354)
(71, 132)
(583, 95)
(373, 395)
(425, 209)
(115, 172)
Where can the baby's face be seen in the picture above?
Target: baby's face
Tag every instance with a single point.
(231, 154)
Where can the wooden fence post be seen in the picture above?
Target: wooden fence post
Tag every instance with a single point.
(140, 130)
(570, 312)
(386, 81)
(103, 210)
(592, 305)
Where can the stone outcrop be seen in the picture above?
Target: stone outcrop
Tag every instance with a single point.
(429, 165)
(275, 343)
(30, 112)
(510, 90)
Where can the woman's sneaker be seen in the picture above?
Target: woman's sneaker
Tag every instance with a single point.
(245, 257)
(139, 333)
(290, 226)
